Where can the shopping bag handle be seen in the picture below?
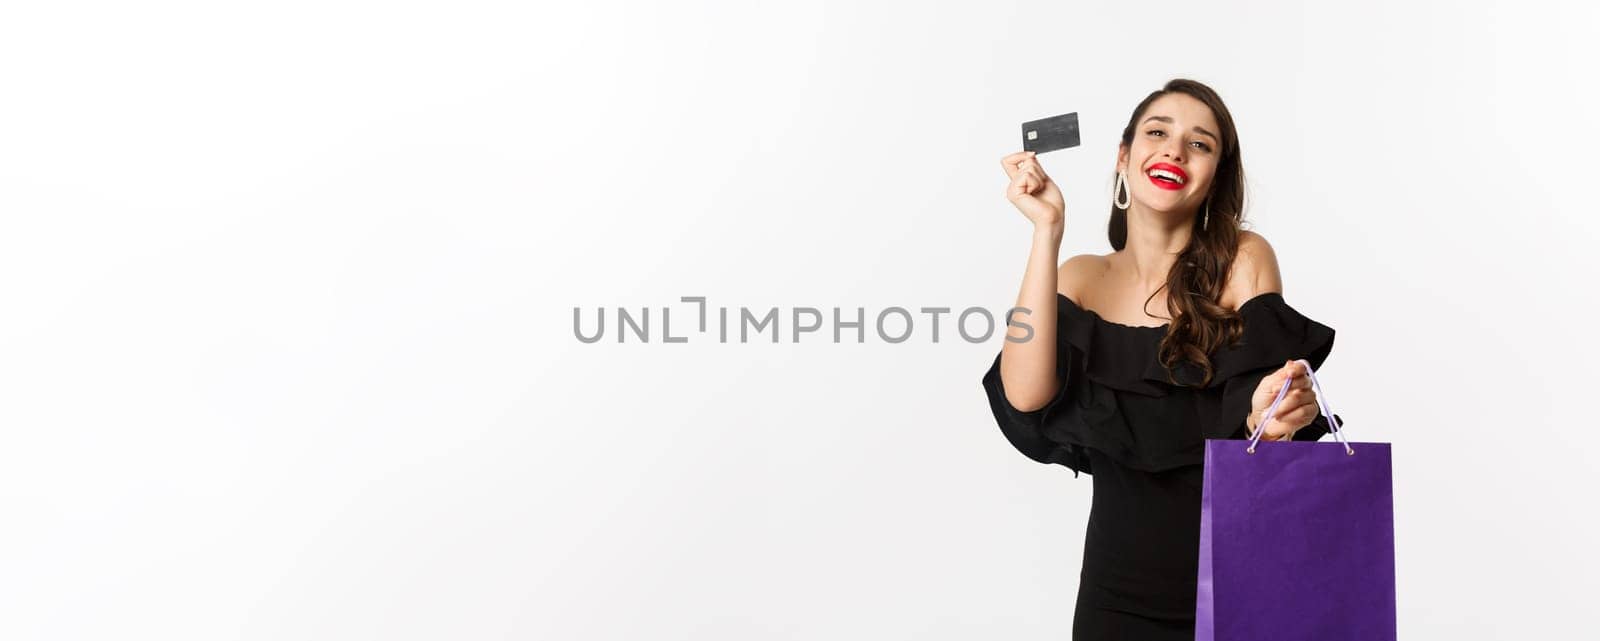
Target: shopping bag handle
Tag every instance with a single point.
(1322, 403)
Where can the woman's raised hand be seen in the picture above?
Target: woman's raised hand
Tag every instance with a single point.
(1032, 191)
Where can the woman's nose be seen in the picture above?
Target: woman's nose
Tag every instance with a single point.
(1174, 151)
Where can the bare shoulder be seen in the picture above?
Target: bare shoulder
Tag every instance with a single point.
(1077, 273)
(1255, 270)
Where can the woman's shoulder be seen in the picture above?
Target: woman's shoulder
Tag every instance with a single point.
(1254, 271)
(1076, 273)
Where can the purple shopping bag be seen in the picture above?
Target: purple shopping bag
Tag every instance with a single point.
(1296, 538)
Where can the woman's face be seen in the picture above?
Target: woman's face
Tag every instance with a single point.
(1174, 154)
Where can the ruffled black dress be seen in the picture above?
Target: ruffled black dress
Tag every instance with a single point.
(1142, 439)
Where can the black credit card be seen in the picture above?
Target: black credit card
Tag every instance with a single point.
(1050, 134)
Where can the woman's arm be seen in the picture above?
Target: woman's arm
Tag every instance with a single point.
(1028, 358)
(1257, 263)
(1028, 367)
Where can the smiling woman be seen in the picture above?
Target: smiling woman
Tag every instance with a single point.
(1173, 140)
(1131, 403)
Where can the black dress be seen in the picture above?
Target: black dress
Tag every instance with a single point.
(1142, 438)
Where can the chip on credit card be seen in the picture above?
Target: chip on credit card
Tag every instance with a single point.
(1050, 134)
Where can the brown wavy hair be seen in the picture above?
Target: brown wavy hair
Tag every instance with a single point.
(1200, 324)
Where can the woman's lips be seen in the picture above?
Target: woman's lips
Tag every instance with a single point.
(1169, 168)
(1169, 186)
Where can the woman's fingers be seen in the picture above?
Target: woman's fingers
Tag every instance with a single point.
(1014, 158)
(1309, 413)
(1010, 162)
(1304, 402)
(1299, 417)
(1298, 374)
(1025, 163)
(1296, 411)
(1024, 166)
(1032, 165)
(1292, 374)
(1028, 171)
(1022, 184)
(1292, 401)
(1031, 189)
(1036, 180)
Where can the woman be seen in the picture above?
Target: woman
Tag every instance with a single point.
(1097, 388)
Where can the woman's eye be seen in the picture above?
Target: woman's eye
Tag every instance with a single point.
(1202, 146)
(1156, 132)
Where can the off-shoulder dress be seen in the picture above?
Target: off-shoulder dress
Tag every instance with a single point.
(1141, 437)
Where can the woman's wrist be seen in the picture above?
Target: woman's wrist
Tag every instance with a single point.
(1049, 231)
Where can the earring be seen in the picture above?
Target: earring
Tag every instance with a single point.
(1119, 190)
(1207, 220)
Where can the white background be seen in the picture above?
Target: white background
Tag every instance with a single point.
(286, 294)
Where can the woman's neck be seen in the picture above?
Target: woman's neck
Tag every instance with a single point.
(1154, 242)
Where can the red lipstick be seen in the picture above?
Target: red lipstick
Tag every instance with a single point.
(1171, 177)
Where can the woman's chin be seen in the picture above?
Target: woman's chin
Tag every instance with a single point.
(1168, 206)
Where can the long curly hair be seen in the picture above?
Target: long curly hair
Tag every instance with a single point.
(1200, 324)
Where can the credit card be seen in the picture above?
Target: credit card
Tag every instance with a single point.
(1050, 134)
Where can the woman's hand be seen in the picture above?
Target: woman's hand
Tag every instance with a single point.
(1298, 408)
(1033, 193)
